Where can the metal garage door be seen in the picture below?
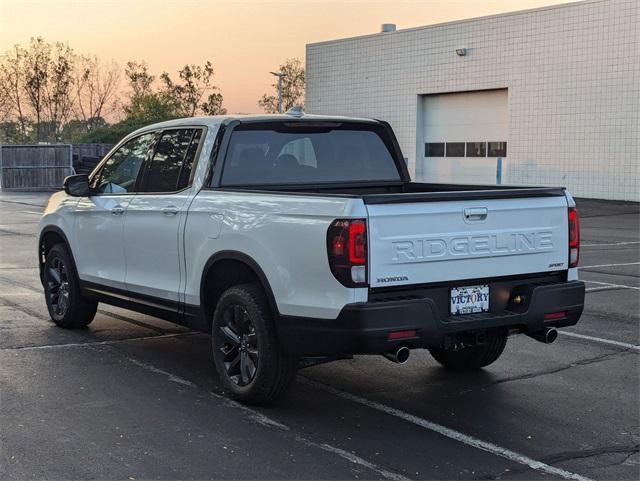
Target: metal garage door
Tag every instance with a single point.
(462, 136)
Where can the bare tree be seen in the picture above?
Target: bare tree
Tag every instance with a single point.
(59, 87)
(96, 86)
(47, 92)
(12, 88)
(293, 82)
(44, 76)
(196, 84)
(36, 73)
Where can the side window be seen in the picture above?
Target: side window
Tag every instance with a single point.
(119, 173)
(187, 167)
(164, 170)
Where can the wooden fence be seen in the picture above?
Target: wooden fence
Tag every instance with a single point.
(33, 167)
(44, 166)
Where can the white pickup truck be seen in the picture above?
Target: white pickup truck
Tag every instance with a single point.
(298, 239)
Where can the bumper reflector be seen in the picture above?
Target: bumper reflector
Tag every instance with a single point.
(395, 335)
(554, 315)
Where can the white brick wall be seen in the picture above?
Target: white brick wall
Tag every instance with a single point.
(572, 73)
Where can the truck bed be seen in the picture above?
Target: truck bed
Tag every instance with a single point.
(403, 192)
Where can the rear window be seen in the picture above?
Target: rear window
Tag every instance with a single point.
(304, 154)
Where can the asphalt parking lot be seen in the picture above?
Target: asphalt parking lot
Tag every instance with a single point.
(133, 397)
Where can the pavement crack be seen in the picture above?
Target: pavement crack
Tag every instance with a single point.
(590, 453)
(22, 203)
(565, 456)
(21, 284)
(13, 232)
(609, 273)
(583, 362)
(30, 312)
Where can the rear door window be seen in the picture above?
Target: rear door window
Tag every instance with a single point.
(304, 154)
(169, 169)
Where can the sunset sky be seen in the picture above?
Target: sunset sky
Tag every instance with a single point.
(243, 39)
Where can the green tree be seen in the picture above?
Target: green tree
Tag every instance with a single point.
(111, 134)
(139, 78)
(10, 133)
(194, 93)
(293, 83)
(146, 105)
(75, 130)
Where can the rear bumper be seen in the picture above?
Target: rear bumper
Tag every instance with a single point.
(363, 328)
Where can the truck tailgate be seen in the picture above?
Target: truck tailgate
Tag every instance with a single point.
(429, 242)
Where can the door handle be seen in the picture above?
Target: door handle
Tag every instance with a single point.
(117, 210)
(170, 210)
(475, 213)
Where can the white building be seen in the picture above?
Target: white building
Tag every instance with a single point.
(554, 92)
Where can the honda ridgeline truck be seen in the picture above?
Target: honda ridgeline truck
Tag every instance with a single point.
(298, 239)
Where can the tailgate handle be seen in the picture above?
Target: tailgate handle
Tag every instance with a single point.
(475, 213)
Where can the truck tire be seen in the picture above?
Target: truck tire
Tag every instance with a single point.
(67, 306)
(472, 357)
(250, 361)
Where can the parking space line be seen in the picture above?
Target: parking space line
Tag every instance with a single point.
(95, 343)
(624, 345)
(603, 288)
(355, 459)
(611, 285)
(612, 244)
(450, 433)
(264, 420)
(611, 265)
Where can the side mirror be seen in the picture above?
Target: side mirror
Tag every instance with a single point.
(77, 185)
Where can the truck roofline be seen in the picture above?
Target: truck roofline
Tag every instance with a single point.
(215, 120)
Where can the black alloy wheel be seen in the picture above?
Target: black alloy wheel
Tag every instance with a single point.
(57, 286)
(239, 345)
(252, 364)
(67, 305)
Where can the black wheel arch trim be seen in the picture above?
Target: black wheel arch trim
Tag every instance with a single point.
(57, 230)
(250, 263)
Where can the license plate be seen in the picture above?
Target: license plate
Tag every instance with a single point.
(470, 299)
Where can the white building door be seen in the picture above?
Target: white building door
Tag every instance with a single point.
(461, 136)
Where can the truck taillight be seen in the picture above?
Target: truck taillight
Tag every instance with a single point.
(347, 251)
(574, 237)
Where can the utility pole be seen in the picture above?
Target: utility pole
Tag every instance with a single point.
(279, 75)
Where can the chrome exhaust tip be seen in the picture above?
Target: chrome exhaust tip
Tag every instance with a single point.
(546, 336)
(399, 356)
